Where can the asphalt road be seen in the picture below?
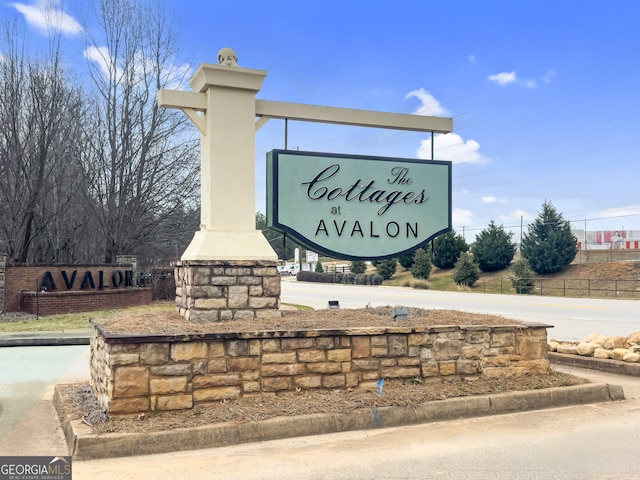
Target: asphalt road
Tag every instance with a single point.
(572, 318)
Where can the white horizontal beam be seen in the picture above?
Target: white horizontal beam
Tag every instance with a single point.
(181, 99)
(348, 116)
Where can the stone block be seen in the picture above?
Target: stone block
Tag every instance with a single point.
(271, 345)
(419, 339)
(256, 291)
(128, 406)
(173, 402)
(215, 394)
(251, 386)
(216, 380)
(199, 368)
(238, 296)
(429, 369)
(241, 364)
(280, 369)
(397, 345)
(254, 348)
(276, 384)
(409, 361)
(334, 381)
(447, 368)
(351, 380)
(238, 348)
(170, 370)
(251, 281)
(478, 336)
(297, 343)
(271, 286)
(160, 386)
(210, 303)
(307, 382)
(202, 316)
(216, 349)
(119, 359)
(198, 276)
(324, 342)
(244, 314)
(208, 291)
(187, 351)
(379, 341)
(223, 280)
(503, 339)
(308, 356)
(379, 351)
(471, 352)
(467, 367)
(340, 355)
(287, 357)
(370, 375)
(324, 367)
(446, 349)
(400, 372)
(154, 353)
(531, 348)
(388, 362)
(263, 302)
(217, 365)
(226, 315)
(365, 364)
(361, 347)
(131, 382)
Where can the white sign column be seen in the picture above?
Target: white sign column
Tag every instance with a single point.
(226, 97)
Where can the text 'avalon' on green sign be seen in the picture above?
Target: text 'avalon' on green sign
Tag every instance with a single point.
(357, 207)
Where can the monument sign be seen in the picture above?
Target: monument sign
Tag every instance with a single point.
(356, 207)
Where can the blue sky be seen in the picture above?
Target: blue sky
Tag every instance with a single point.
(543, 95)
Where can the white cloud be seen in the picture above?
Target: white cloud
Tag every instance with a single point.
(430, 106)
(628, 210)
(99, 55)
(461, 217)
(471, 59)
(492, 199)
(503, 78)
(517, 215)
(451, 147)
(46, 17)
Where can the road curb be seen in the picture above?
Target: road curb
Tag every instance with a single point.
(601, 364)
(85, 445)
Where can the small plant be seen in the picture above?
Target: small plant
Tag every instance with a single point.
(466, 271)
(358, 266)
(386, 268)
(522, 277)
(319, 268)
(422, 266)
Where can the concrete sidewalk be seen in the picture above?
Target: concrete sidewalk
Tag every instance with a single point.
(33, 339)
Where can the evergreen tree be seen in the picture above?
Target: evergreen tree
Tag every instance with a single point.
(422, 265)
(549, 246)
(386, 268)
(319, 267)
(406, 261)
(493, 249)
(467, 272)
(358, 267)
(447, 249)
(522, 276)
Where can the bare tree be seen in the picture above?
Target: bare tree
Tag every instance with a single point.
(41, 135)
(141, 164)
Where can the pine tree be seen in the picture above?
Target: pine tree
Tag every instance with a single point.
(422, 265)
(522, 276)
(358, 267)
(493, 249)
(467, 272)
(447, 249)
(386, 268)
(549, 246)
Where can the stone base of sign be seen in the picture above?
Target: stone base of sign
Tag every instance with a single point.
(131, 374)
(223, 290)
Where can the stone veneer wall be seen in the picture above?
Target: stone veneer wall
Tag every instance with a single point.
(216, 290)
(134, 374)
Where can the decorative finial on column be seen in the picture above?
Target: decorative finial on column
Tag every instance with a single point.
(228, 57)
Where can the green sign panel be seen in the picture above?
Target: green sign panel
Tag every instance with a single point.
(358, 208)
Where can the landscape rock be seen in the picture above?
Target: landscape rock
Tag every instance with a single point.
(595, 337)
(634, 339)
(552, 346)
(567, 348)
(612, 343)
(601, 353)
(631, 357)
(586, 349)
(619, 353)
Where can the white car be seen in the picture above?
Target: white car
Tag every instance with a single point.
(289, 269)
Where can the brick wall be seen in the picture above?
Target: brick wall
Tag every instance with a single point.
(88, 278)
(51, 303)
(153, 373)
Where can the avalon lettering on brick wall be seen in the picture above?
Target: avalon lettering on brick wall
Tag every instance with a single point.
(85, 280)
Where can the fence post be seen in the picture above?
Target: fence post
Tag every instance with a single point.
(3, 268)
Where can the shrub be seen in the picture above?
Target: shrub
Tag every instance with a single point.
(447, 249)
(349, 278)
(522, 276)
(358, 266)
(406, 261)
(315, 277)
(493, 249)
(466, 272)
(386, 268)
(376, 279)
(319, 267)
(549, 246)
(421, 268)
